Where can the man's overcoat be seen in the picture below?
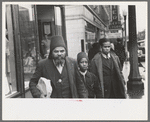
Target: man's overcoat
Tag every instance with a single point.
(44, 69)
(118, 84)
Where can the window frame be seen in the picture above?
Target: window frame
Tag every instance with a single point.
(15, 31)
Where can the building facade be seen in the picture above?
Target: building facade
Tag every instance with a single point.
(26, 26)
(85, 25)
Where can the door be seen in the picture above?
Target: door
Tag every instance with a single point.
(46, 27)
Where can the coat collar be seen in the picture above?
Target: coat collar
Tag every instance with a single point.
(87, 74)
(108, 55)
(83, 73)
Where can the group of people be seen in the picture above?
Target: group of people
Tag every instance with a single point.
(117, 48)
(72, 78)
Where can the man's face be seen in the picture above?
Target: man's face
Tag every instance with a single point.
(59, 53)
(83, 64)
(106, 47)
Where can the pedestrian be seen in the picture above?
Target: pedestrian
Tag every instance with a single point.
(45, 46)
(92, 52)
(59, 69)
(120, 51)
(112, 48)
(106, 66)
(86, 80)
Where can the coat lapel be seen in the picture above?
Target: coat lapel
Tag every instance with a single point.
(71, 73)
(114, 62)
(118, 69)
(120, 77)
(50, 74)
(98, 63)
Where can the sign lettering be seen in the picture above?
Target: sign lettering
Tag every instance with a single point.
(115, 24)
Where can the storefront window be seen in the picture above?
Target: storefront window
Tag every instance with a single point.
(10, 84)
(102, 34)
(10, 67)
(90, 35)
(28, 41)
(90, 39)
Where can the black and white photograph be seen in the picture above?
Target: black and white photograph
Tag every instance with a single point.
(74, 60)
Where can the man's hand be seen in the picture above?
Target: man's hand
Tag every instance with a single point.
(43, 96)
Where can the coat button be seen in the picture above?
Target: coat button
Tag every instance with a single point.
(60, 80)
(106, 90)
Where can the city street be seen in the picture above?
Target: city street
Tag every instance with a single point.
(142, 71)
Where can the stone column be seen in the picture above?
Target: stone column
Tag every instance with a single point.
(135, 80)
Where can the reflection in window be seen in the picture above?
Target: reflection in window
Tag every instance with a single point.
(10, 67)
(28, 38)
(8, 82)
(90, 39)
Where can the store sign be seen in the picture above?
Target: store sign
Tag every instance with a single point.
(114, 35)
(115, 27)
(114, 13)
(115, 24)
(114, 31)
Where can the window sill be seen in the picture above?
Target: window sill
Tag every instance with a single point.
(13, 95)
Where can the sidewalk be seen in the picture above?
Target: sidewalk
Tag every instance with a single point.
(126, 71)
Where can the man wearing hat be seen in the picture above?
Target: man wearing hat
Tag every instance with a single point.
(59, 69)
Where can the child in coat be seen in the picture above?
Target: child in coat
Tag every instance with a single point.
(90, 85)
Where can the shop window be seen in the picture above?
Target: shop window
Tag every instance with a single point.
(90, 38)
(90, 35)
(28, 41)
(10, 67)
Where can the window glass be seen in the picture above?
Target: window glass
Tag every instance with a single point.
(90, 39)
(28, 40)
(10, 67)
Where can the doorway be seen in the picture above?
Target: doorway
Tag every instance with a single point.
(46, 27)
